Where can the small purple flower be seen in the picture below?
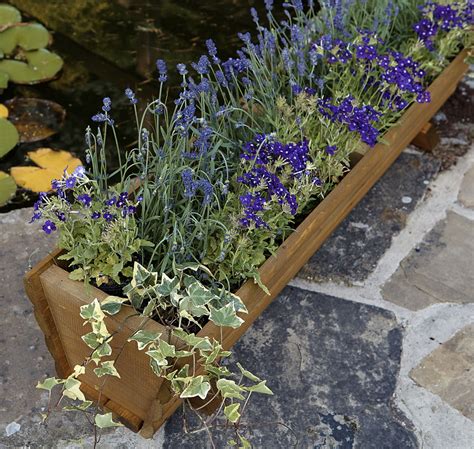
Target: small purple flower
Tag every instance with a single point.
(36, 216)
(111, 201)
(330, 150)
(131, 95)
(182, 70)
(123, 196)
(85, 199)
(55, 184)
(107, 104)
(162, 70)
(49, 227)
(70, 182)
(139, 198)
(212, 50)
(61, 216)
(202, 66)
(95, 215)
(108, 217)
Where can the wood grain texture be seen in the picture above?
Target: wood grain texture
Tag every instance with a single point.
(140, 396)
(427, 138)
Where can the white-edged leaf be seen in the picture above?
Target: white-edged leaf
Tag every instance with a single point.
(196, 387)
(232, 412)
(105, 421)
(144, 338)
(112, 304)
(225, 316)
(106, 369)
(49, 383)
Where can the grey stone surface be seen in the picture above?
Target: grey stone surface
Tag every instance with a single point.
(24, 358)
(333, 367)
(439, 270)
(356, 246)
(447, 372)
(466, 194)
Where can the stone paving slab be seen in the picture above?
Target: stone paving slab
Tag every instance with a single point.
(439, 270)
(354, 249)
(333, 367)
(448, 372)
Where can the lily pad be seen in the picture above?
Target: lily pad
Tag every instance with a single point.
(8, 136)
(39, 65)
(7, 188)
(8, 15)
(28, 36)
(34, 118)
(52, 164)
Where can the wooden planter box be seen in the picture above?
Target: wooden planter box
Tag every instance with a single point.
(139, 398)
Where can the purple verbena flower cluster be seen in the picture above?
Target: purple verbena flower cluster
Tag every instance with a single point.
(357, 119)
(437, 17)
(263, 155)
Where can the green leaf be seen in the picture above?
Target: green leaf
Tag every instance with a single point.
(158, 357)
(232, 412)
(92, 340)
(77, 275)
(187, 305)
(258, 281)
(92, 311)
(49, 383)
(260, 388)
(106, 369)
(144, 338)
(104, 350)
(225, 316)
(105, 421)
(72, 389)
(248, 374)
(142, 276)
(194, 266)
(229, 389)
(245, 443)
(81, 407)
(202, 343)
(149, 308)
(198, 386)
(167, 285)
(112, 304)
(239, 306)
(200, 295)
(166, 349)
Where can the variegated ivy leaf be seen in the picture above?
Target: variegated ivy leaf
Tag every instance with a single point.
(99, 328)
(144, 338)
(92, 311)
(107, 369)
(149, 307)
(245, 443)
(232, 412)
(187, 305)
(157, 356)
(229, 389)
(175, 298)
(166, 349)
(197, 386)
(104, 350)
(248, 374)
(260, 388)
(202, 343)
(141, 276)
(112, 304)
(72, 389)
(194, 266)
(105, 421)
(49, 383)
(189, 317)
(239, 306)
(79, 370)
(218, 371)
(225, 316)
(200, 295)
(167, 285)
(92, 340)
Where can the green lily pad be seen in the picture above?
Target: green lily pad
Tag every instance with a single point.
(3, 80)
(28, 36)
(7, 188)
(40, 65)
(8, 15)
(8, 136)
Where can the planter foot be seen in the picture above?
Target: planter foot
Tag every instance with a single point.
(427, 138)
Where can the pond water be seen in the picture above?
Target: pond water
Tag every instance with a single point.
(108, 45)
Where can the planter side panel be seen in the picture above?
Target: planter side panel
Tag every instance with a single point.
(138, 386)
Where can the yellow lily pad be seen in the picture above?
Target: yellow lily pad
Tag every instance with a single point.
(51, 166)
(3, 111)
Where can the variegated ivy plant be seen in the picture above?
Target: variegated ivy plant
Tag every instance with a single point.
(190, 363)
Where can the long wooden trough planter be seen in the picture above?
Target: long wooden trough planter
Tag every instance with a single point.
(139, 398)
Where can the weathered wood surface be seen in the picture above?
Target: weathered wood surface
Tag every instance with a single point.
(427, 138)
(140, 398)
